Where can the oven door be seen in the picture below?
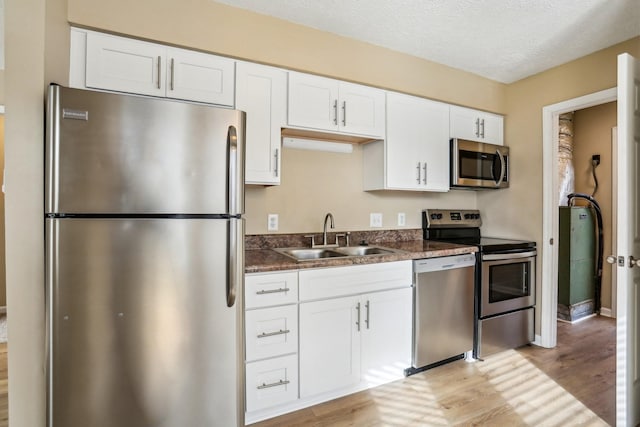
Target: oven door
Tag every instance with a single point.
(507, 282)
(475, 164)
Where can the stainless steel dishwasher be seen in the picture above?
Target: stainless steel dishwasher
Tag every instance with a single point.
(443, 310)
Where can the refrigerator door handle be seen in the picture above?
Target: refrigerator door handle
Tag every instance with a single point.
(232, 164)
(235, 168)
(235, 260)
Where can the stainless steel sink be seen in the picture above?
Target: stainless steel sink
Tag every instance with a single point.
(302, 254)
(306, 254)
(363, 250)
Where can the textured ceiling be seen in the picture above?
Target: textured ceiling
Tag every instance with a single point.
(503, 40)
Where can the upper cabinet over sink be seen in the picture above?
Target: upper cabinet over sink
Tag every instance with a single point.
(108, 62)
(476, 125)
(329, 105)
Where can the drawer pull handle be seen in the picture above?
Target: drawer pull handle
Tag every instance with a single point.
(273, 291)
(272, 334)
(279, 383)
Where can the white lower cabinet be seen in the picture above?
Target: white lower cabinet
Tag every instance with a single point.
(271, 343)
(318, 334)
(362, 340)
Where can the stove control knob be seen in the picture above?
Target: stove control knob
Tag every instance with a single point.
(467, 216)
(434, 216)
(439, 216)
(476, 216)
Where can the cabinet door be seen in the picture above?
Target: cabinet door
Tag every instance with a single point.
(124, 65)
(262, 93)
(329, 345)
(386, 335)
(475, 125)
(417, 144)
(200, 77)
(361, 110)
(313, 102)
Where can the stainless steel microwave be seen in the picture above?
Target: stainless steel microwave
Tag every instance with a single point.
(479, 165)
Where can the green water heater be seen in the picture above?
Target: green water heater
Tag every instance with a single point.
(576, 263)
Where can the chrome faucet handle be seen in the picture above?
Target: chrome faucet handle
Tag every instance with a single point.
(338, 235)
(313, 243)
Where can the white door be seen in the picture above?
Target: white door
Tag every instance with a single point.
(628, 248)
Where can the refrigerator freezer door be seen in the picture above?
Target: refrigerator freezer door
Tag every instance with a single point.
(121, 154)
(139, 329)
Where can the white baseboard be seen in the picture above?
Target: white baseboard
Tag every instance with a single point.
(604, 311)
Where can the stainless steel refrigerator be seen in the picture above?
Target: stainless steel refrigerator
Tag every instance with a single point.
(144, 261)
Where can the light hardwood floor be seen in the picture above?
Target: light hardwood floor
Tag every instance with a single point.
(572, 384)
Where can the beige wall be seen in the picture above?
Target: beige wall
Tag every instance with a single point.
(36, 39)
(1, 87)
(3, 279)
(314, 183)
(592, 135)
(225, 30)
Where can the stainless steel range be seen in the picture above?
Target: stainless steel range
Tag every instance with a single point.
(504, 279)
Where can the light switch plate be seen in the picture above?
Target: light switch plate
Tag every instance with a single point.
(272, 222)
(375, 220)
(402, 220)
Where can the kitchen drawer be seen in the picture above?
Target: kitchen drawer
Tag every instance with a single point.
(271, 382)
(271, 332)
(263, 290)
(356, 279)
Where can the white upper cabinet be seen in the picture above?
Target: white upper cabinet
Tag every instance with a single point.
(330, 105)
(475, 125)
(262, 93)
(415, 152)
(125, 65)
(107, 62)
(201, 77)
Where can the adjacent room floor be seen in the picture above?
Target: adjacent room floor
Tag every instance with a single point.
(572, 384)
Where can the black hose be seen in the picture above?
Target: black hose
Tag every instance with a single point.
(598, 275)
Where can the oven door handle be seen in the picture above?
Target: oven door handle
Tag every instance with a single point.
(498, 257)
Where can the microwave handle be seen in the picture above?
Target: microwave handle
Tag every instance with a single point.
(502, 167)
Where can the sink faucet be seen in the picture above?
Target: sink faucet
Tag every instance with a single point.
(324, 230)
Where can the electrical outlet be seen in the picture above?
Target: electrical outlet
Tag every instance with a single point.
(272, 222)
(375, 220)
(402, 220)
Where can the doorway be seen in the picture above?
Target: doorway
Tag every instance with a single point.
(550, 118)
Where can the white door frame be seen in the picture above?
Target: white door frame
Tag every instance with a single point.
(550, 129)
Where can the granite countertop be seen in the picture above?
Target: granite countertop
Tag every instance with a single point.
(259, 257)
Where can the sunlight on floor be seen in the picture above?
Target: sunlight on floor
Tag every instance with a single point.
(536, 398)
(507, 390)
(399, 406)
